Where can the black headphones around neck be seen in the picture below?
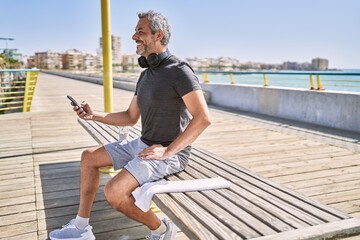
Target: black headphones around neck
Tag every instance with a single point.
(153, 60)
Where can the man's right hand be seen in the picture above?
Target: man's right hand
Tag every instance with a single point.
(85, 112)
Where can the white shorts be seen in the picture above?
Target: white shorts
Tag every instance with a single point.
(123, 155)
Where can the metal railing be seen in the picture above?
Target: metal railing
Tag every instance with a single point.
(315, 80)
(17, 87)
(339, 81)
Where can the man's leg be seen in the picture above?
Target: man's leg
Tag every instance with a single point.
(118, 193)
(79, 228)
(118, 190)
(91, 160)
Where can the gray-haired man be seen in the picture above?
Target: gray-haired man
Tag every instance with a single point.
(173, 112)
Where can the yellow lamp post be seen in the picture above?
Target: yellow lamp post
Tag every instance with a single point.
(107, 56)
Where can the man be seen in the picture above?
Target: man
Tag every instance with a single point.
(173, 112)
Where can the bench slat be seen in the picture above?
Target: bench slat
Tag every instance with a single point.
(253, 208)
(107, 133)
(233, 217)
(112, 131)
(89, 127)
(184, 220)
(307, 209)
(290, 214)
(260, 207)
(204, 217)
(103, 133)
(280, 188)
(324, 231)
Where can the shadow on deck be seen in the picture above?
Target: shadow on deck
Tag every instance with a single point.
(58, 198)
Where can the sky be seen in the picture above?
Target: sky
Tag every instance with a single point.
(266, 31)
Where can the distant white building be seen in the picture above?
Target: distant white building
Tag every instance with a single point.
(223, 63)
(115, 52)
(197, 63)
(89, 61)
(227, 63)
(130, 62)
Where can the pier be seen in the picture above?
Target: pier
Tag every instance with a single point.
(40, 153)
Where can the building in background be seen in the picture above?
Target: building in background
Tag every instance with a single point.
(115, 51)
(73, 59)
(221, 63)
(30, 62)
(305, 66)
(320, 64)
(48, 60)
(130, 62)
(89, 61)
(199, 63)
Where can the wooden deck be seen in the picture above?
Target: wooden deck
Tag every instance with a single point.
(40, 152)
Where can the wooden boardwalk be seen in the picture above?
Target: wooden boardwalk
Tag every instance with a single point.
(40, 152)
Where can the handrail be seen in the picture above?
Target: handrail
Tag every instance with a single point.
(283, 72)
(313, 80)
(323, 79)
(20, 70)
(17, 87)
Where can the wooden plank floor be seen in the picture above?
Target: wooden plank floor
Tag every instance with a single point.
(40, 152)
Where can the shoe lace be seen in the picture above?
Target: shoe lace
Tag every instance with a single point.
(152, 237)
(68, 225)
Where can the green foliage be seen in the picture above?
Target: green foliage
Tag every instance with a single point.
(8, 63)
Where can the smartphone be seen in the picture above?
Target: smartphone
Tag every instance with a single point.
(74, 102)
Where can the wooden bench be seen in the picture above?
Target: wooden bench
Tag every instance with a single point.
(253, 208)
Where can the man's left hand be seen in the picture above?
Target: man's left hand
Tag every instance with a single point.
(157, 152)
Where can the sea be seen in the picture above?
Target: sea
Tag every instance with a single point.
(345, 80)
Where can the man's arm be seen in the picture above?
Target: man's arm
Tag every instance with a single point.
(125, 118)
(196, 104)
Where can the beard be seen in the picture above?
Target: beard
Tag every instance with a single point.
(145, 49)
(142, 49)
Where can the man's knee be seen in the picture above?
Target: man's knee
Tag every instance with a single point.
(115, 196)
(87, 157)
(95, 157)
(118, 190)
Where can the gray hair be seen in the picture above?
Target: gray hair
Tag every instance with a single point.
(157, 22)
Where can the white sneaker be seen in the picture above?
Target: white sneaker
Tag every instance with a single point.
(70, 232)
(169, 234)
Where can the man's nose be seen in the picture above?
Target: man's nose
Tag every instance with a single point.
(135, 36)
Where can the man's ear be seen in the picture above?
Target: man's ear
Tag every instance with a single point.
(159, 35)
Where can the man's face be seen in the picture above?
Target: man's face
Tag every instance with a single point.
(145, 40)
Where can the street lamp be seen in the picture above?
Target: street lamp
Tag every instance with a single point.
(7, 39)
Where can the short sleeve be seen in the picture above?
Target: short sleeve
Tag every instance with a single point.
(137, 84)
(186, 80)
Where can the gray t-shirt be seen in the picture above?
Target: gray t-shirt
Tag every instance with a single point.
(164, 115)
